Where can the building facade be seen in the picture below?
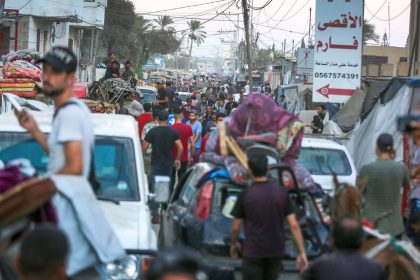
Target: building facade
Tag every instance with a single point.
(76, 24)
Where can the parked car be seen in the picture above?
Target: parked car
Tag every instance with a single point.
(123, 193)
(146, 94)
(184, 96)
(179, 224)
(321, 157)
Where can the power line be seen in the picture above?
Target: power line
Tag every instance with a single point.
(29, 1)
(383, 4)
(292, 16)
(288, 11)
(282, 3)
(184, 7)
(397, 16)
(262, 7)
(202, 23)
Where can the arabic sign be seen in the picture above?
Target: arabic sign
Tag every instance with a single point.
(337, 50)
(305, 61)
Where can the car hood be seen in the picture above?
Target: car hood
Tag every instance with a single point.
(131, 223)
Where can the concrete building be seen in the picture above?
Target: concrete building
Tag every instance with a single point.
(384, 61)
(73, 23)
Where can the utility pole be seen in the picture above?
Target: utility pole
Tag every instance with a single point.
(414, 38)
(310, 25)
(247, 41)
(389, 25)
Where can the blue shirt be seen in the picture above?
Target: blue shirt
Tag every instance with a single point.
(197, 128)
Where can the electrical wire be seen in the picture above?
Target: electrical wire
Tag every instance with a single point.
(288, 11)
(262, 7)
(390, 19)
(29, 1)
(298, 11)
(282, 3)
(202, 23)
(184, 7)
(380, 8)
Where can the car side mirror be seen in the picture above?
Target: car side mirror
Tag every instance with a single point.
(161, 190)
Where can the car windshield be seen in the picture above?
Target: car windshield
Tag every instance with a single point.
(148, 97)
(183, 97)
(115, 167)
(325, 161)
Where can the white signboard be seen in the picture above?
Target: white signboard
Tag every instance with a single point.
(305, 61)
(337, 50)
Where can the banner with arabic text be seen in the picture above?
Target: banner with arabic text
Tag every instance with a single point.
(337, 49)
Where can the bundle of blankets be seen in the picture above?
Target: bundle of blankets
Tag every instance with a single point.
(260, 120)
(20, 78)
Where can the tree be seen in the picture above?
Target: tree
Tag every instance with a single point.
(196, 34)
(163, 42)
(266, 57)
(164, 21)
(119, 20)
(369, 33)
(139, 43)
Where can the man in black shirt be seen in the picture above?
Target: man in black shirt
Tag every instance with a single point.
(346, 263)
(263, 208)
(317, 124)
(163, 139)
(162, 96)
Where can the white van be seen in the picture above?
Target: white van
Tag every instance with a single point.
(123, 193)
(322, 157)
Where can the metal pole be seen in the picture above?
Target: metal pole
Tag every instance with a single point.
(247, 41)
(389, 26)
(310, 23)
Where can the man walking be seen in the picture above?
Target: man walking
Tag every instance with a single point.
(384, 180)
(185, 135)
(197, 130)
(144, 118)
(264, 208)
(70, 143)
(346, 263)
(163, 139)
(147, 155)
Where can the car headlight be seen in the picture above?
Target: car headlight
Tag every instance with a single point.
(126, 268)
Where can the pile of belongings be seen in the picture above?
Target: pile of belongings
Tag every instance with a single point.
(20, 78)
(257, 121)
(30, 56)
(115, 87)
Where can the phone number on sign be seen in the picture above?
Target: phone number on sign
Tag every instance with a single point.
(336, 75)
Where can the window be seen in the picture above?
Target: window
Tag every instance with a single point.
(325, 161)
(88, 0)
(190, 191)
(115, 167)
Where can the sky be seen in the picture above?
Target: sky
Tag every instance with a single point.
(280, 20)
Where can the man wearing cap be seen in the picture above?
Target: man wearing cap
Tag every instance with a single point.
(382, 182)
(70, 143)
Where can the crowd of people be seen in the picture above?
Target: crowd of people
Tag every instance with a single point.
(173, 135)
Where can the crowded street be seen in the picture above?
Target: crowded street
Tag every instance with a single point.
(222, 140)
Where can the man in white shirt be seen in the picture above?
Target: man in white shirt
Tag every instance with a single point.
(70, 143)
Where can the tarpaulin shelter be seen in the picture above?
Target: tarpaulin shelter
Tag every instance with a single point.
(374, 110)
